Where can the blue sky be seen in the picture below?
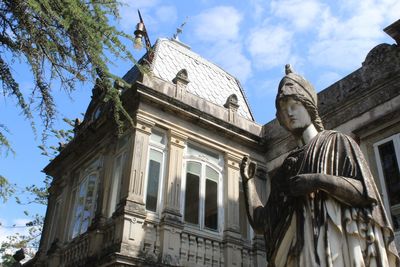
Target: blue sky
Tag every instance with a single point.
(253, 40)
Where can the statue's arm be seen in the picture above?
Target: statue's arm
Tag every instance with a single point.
(347, 190)
(254, 207)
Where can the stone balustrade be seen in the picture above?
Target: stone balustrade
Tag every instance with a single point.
(200, 251)
(75, 252)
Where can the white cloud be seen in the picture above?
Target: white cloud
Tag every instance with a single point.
(270, 46)
(219, 28)
(340, 54)
(229, 56)
(326, 79)
(265, 88)
(258, 8)
(392, 10)
(301, 14)
(166, 14)
(365, 23)
(344, 38)
(7, 230)
(218, 23)
(129, 16)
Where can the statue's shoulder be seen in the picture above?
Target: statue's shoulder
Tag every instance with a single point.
(335, 135)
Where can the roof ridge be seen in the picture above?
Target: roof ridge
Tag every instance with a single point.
(245, 98)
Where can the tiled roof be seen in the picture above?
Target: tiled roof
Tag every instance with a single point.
(206, 80)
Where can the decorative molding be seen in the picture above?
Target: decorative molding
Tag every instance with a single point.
(233, 160)
(181, 80)
(144, 124)
(177, 138)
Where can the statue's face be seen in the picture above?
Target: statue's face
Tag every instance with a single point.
(294, 115)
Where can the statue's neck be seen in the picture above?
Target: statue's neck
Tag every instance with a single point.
(308, 134)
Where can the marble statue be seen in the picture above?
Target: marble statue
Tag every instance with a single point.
(324, 208)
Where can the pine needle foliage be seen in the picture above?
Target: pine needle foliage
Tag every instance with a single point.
(61, 40)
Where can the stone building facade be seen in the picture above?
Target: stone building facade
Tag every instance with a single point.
(167, 192)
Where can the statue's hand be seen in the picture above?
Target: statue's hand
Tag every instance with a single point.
(303, 184)
(247, 169)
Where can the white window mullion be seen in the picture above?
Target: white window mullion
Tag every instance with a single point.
(220, 203)
(161, 182)
(202, 196)
(183, 191)
(382, 178)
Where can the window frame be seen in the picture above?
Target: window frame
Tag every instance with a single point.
(83, 176)
(121, 151)
(216, 166)
(396, 144)
(163, 149)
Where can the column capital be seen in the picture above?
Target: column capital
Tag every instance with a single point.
(144, 124)
(177, 138)
(233, 160)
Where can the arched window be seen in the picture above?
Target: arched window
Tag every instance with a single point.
(202, 188)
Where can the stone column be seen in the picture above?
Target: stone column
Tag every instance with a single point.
(259, 254)
(232, 240)
(171, 225)
(131, 224)
(139, 159)
(231, 192)
(172, 185)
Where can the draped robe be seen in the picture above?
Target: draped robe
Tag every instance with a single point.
(319, 229)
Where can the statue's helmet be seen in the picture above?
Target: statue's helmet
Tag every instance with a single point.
(303, 91)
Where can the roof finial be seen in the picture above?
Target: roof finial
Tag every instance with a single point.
(180, 29)
(288, 69)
